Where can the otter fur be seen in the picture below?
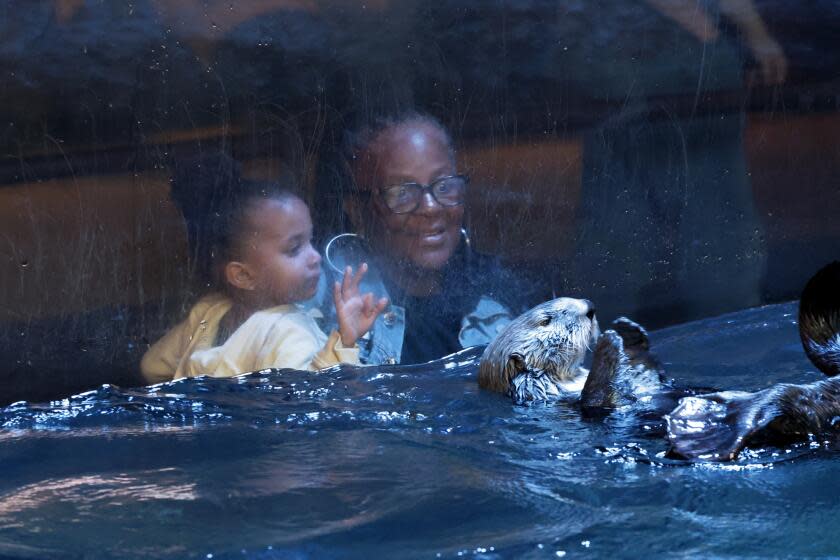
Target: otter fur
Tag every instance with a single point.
(623, 370)
(538, 357)
(718, 426)
(539, 354)
(819, 319)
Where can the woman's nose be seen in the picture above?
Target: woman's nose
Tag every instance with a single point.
(428, 204)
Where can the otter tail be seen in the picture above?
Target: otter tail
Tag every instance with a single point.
(819, 319)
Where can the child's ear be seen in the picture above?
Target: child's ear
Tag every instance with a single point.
(238, 275)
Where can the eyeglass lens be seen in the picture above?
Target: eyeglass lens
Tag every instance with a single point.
(447, 191)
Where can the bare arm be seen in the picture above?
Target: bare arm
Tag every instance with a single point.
(745, 16)
(217, 17)
(688, 15)
(765, 49)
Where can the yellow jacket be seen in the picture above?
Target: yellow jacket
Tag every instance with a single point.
(285, 336)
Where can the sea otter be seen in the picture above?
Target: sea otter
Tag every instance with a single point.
(718, 426)
(538, 357)
(539, 354)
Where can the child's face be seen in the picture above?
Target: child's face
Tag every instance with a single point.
(278, 252)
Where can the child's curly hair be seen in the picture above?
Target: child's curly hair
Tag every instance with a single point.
(214, 199)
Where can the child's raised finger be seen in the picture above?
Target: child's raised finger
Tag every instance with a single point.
(346, 281)
(381, 305)
(372, 308)
(357, 279)
(367, 304)
(337, 298)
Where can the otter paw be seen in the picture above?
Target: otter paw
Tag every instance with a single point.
(632, 333)
(715, 427)
(608, 359)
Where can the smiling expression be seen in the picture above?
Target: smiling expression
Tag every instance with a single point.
(411, 152)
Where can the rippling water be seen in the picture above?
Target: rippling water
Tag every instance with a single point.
(409, 461)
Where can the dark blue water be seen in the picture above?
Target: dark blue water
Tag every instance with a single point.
(409, 462)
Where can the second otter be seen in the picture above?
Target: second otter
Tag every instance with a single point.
(539, 355)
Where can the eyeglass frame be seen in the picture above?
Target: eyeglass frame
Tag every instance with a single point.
(423, 190)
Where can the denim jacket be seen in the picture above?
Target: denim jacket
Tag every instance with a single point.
(383, 344)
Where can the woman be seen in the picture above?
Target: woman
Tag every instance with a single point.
(406, 206)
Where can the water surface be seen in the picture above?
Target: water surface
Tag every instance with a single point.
(410, 462)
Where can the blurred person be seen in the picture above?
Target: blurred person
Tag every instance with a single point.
(668, 226)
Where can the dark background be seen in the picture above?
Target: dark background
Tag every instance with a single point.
(99, 98)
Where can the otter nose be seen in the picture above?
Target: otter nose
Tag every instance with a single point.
(590, 309)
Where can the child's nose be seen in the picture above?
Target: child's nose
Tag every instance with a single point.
(314, 257)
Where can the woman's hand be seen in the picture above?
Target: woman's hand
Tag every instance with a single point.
(356, 312)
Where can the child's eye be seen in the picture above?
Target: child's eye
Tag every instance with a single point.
(294, 249)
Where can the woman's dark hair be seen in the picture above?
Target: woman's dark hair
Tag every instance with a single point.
(358, 139)
(215, 199)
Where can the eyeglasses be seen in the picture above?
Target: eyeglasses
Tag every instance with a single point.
(406, 198)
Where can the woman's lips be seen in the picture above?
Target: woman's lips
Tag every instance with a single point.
(431, 237)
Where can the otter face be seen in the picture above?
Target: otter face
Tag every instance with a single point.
(552, 337)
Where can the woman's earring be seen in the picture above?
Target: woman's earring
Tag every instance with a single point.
(465, 234)
(345, 249)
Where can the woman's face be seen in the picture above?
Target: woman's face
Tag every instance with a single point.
(412, 152)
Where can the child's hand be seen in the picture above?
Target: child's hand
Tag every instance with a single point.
(356, 313)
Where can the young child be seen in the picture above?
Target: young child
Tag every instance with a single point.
(259, 243)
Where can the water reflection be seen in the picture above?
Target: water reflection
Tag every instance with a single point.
(415, 459)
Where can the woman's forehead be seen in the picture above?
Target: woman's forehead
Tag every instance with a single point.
(404, 147)
(412, 135)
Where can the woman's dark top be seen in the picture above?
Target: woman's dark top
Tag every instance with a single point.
(433, 323)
